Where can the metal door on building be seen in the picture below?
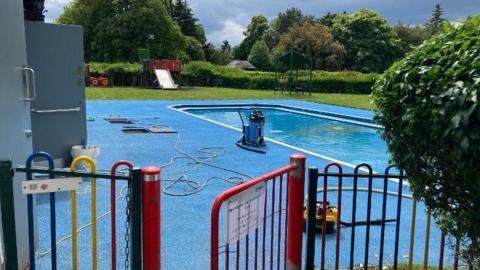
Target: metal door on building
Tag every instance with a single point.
(16, 92)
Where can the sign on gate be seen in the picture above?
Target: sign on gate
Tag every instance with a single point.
(245, 210)
(51, 185)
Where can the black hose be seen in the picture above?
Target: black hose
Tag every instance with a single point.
(364, 223)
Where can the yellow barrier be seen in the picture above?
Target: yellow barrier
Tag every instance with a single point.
(91, 164)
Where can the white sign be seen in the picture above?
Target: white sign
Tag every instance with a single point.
(245, 211)
(51, 185)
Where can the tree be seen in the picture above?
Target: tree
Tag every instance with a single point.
(371, 43)
(183, 15)
(255, 31)
(428, 104)
(114, 30)
(212, 54)
(436, 23)
(287, 19)
(410, 35)
(260, 56)
(281, 24)
(226, 52)
(329, 19)
(194, 49)
(315, 41)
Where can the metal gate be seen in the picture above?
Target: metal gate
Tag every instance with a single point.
(333, 179)
(134, 257)
(274, 241)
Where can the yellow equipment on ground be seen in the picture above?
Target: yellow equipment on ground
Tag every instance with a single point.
(331, 217)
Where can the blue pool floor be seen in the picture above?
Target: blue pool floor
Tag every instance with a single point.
(186, 220)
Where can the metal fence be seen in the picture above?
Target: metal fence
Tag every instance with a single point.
(134, 256)
(269, 238)
(334, 180)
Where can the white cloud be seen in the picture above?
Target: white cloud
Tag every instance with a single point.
(231, 31)
(54, 8)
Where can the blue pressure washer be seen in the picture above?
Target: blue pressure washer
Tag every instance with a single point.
(252, 134)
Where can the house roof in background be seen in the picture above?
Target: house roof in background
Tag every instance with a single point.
(241, 64)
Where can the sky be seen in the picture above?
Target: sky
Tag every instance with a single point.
(227, 19)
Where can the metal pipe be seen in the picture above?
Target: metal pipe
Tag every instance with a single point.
(412, 235)
(113, 216)
(53, 233)
(427, 241)
(391, 193)
(151, 199)
(76, 109)
(296, 191)
(311, 218)
(89, 163)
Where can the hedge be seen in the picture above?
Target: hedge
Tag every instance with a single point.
(121, 74)
(207, 74)
(198, 73)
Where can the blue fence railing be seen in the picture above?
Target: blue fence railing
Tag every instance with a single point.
(372, 194)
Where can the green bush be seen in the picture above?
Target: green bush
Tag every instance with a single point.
(121, 74)
(101, 69)
(200, 73)
(206, 74)
(428, 104)
(203, 72)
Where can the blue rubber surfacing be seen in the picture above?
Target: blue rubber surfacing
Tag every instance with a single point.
(186, 220)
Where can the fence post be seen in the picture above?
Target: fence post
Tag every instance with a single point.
(136, 218)
(311, 218)
(151, 218)
(8, 214)
(296, 190)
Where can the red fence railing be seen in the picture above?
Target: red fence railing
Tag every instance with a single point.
(256, 207)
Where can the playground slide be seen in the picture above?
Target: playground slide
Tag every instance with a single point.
(165, 79)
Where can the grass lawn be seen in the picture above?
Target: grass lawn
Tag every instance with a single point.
(347, 100)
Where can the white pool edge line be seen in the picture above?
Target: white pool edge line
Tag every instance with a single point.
(291, 109)
(283, 144)
(268, 105)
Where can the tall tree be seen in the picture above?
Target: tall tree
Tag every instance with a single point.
(194, 49)
(219, 56)
(281, 24)
(226, 52)
(255, 31)
(183, 15)
(435, 24)
(260, 56)
(328, 19)
(314, 40)
(410, 35)
(113, 30)
(370, 41)
(212, 54)
(287, 19)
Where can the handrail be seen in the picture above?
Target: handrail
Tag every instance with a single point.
(76, 109)
(237, 189)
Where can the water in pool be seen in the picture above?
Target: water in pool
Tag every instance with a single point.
(341, 141)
